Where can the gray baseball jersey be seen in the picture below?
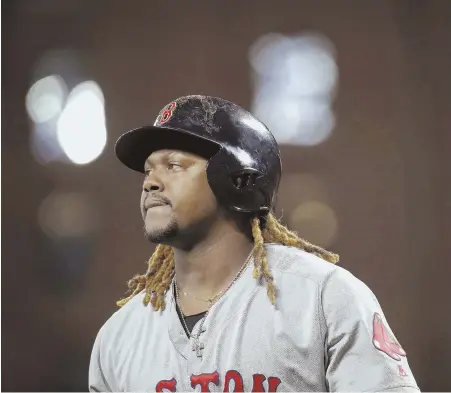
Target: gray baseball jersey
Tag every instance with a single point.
(327, 332)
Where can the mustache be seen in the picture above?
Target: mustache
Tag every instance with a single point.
(158, 199)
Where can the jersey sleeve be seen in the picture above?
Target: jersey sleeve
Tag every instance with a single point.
(97, 378)
(362, 353)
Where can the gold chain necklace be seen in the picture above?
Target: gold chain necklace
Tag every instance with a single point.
(197, 345)
(210, 300)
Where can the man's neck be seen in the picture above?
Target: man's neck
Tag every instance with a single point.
(212, 264)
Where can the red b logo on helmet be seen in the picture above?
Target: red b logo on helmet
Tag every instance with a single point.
(166, 113)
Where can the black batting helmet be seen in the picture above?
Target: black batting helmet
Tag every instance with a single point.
(244, 165)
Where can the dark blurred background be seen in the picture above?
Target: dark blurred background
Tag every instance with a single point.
(357, 93)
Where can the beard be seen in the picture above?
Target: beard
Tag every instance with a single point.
(162, 235)
(173, 235)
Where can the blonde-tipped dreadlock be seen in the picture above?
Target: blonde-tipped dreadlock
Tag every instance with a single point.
(158, 277)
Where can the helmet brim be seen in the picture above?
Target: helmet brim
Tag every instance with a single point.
(135, 146)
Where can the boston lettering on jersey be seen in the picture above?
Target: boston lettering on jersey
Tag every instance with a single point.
(204, 381)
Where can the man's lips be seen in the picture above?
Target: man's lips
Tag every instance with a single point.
(154, 203)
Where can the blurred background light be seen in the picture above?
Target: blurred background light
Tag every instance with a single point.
(294, 85)
(301, 187)
(296, 122)
(265, 53)
(315, 221)
(306, 207)
(311, 67)
(71, 221)
(68, 215)
(44, 145)
(45, 98)
(81, 128)
(67, 127)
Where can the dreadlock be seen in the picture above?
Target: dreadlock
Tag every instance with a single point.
(160, 272)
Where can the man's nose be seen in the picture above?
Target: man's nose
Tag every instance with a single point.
(153, 183)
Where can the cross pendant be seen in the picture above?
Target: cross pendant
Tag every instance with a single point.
(198, 347)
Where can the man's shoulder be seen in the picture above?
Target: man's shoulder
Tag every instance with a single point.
(311, 277)
(297, 262)
(127, 316)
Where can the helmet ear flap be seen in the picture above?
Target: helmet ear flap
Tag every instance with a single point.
(246, 178)
(238, 187)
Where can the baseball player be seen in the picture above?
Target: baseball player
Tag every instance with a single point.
(232, 300)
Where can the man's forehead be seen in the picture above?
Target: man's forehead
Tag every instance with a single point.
(168, 153)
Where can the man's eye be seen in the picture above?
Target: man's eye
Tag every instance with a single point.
(173, 165)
